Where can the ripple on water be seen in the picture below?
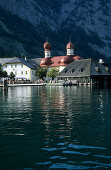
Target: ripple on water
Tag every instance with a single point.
(55, 157)
(84, 147)
(103, 156)
(44, 163)
(49, 149)
(96, 163)
(75, 153)
(67, 166)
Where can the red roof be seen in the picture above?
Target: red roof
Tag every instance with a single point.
(66, 60)
(58, 61)
(45, 61)
(77, 58)
(47, 45)
(70, 45)
(55, 62)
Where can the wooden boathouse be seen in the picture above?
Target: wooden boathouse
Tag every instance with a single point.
(86, 71)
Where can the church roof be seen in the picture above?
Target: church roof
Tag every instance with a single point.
(58, 61)
(84, 67)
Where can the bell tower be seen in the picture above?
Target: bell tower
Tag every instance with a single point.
(47, 48)
(70, 48)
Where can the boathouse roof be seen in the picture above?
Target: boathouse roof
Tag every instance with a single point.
(84, 67)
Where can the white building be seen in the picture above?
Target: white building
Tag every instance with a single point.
(22, 68)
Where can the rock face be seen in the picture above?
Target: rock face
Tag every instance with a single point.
(25, 24)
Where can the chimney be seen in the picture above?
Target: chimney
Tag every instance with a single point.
(101, 61)
(25, 58)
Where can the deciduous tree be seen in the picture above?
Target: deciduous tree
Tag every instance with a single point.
(41, 72)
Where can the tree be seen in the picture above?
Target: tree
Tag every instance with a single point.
(41, 72)
(53, 73)
(12, 75)
(3, 73)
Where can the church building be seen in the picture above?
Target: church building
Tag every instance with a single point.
(58, 62)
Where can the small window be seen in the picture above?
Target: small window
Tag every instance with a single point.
(15, 65)
(73, 70)
(81, 70)
(65, 71)
(107, 69)
(5, 66)
(21, 65)
(22, 72)
(11, 66)
(97, 69)
(26, 72)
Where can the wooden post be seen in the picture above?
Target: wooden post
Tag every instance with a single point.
(5, 84)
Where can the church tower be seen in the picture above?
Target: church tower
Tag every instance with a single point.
(47, 48)
(70, 49)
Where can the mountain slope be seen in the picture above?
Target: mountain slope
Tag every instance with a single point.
(25, 24)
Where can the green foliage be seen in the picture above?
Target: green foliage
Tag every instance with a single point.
(41, 72)
(53, 73)
(3, 73)
(12, 75)
(0, 72)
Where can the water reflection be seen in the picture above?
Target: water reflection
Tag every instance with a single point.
(15, 109)
(61, 105)
(55, 127)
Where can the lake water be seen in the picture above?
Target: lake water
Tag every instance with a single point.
(55, 128)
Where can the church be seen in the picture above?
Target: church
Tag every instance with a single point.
(58, 62)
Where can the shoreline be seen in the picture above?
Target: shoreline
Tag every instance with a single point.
(16, 85)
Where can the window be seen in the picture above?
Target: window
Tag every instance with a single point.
(5, 66)
(65, 71)
(21, 65)
(26, 72)
(97, 69)
(72, 71)
(81, 70)
(15, 65)
(22, 72)
(107, 69)
(11, 66)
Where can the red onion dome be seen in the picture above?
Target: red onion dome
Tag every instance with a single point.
(77, 58)
(66, 60)
(70, 45)
(47, 45)
(45, 61)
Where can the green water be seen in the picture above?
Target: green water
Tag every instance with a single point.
(55, 128)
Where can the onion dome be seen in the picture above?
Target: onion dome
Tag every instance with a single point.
(45, 61)
(70, 45)
(66, 60)
(77, 58)
(47, 45)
